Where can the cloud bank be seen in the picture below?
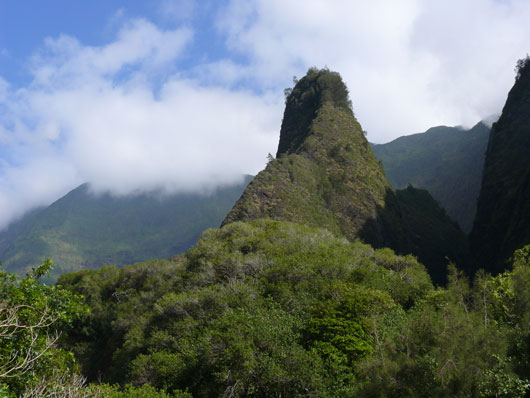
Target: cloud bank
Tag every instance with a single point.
(409, 64)
(137, 114)
(114, 117)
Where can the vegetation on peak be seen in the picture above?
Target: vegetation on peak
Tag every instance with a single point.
(326, 174)
(503, 209)
(522, 67)
(303, 102)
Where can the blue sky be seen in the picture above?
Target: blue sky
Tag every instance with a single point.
(25, 24)
(186, 95)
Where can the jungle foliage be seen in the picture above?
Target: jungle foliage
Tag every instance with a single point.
(272, 308)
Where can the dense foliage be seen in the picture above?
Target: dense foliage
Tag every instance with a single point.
(82, 231)
(446, 161)
(32, 319)
(503, 208)
(258, 309)
(277, 309)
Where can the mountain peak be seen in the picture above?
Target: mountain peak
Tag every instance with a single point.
(325, 173)
(312, 92)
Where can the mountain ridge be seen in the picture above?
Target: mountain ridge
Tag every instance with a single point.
(446, 161)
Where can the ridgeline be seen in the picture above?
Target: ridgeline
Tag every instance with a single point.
(82, 230)
(446, 161)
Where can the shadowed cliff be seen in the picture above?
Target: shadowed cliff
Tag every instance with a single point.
(503, 210)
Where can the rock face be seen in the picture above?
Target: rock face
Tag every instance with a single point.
(446, 161)
(502, 224)
(326, 175)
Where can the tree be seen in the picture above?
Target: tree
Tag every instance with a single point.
(32, 318)
(521, 66)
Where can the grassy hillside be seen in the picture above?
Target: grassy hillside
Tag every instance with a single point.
(81, 230)
(503, 211)
(446, 161)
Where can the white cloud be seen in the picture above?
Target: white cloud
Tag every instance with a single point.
(127, 116)
(179, 10)
(140, 44)
(409, 64)
(97, 114)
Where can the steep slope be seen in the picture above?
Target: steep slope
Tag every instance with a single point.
(326, 175)
(446, 161)
(502, 224)
(81, 230)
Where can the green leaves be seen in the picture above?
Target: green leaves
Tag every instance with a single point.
(32, 319)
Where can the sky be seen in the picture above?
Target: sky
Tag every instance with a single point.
(187, 95)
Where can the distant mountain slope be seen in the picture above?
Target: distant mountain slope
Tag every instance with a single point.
(502, 224)
(326, 175)
(446, 161)
(81, 230)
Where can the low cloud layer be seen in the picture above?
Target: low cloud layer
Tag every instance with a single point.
(132, 116)
(111, 116)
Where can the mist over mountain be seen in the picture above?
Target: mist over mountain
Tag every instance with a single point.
(446, 161)
(86, 230)
(138, 259)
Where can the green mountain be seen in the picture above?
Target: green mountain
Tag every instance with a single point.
(503, 210)
(446, 161)
(326, 175)
(81, 230)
